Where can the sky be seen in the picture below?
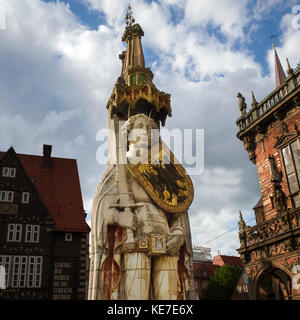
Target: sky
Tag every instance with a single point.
(59, 62)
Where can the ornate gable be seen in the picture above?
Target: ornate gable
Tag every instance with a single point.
(286, 138)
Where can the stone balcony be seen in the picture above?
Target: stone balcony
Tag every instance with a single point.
(283, 226)
(272, 102)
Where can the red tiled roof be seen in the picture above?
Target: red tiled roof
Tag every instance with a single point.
(59, 189)
(232, 260)
(204, 270)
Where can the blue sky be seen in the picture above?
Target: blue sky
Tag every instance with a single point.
(59, 62)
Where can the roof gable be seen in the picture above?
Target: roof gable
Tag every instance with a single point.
(204, 270)
(20, 183)
(232, 260)
(59, 188)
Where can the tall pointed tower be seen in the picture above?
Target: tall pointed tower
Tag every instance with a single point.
(134, 91)
(141, 242)
(279, 73)
(270, 132)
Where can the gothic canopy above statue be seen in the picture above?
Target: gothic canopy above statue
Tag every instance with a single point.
(134, 91)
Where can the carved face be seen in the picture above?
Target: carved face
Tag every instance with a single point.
(139, 136)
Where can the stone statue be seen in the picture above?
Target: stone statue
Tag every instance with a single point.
(274, 173)
(241, 103)
(278, 198)
(138, 250)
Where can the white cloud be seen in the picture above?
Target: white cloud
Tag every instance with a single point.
(230, 16)
(264, 7)
(55, 120)
(88, 207)
(210, 230)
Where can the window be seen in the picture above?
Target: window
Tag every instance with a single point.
(291, 158)
(5, 172)
(68, 237)
(25, 197)
(5, 262)
(34, 272)
(2, 195)
(32, 233)
(133, 80)
(7, 196)
(9, 172)
(22, 272)
(14, 232)
(26, 271)
(19, 272)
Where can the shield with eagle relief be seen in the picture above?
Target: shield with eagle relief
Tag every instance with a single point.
(164, 179)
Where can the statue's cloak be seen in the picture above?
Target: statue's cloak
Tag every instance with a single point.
(106, 244)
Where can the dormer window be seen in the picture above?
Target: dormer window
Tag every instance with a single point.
(68, 237)
(9, 172)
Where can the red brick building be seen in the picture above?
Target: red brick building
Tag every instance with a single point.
(241, 289)
(43, 233)
(202, 274)
(205, 269)
(270, 250)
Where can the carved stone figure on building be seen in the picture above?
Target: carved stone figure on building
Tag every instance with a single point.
(278, 198)
(274, 173)
(241, 103)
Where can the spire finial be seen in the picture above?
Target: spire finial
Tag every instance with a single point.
(129, 16)
(273, 36)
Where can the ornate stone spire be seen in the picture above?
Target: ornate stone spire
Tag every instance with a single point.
(242, 224)
(279, 73)
(254, 102)
(134, 56)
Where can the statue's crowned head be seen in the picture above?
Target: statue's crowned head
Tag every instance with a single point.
(142, 132)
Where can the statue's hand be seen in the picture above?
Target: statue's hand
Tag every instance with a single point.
(174, 244)
(126, 219)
